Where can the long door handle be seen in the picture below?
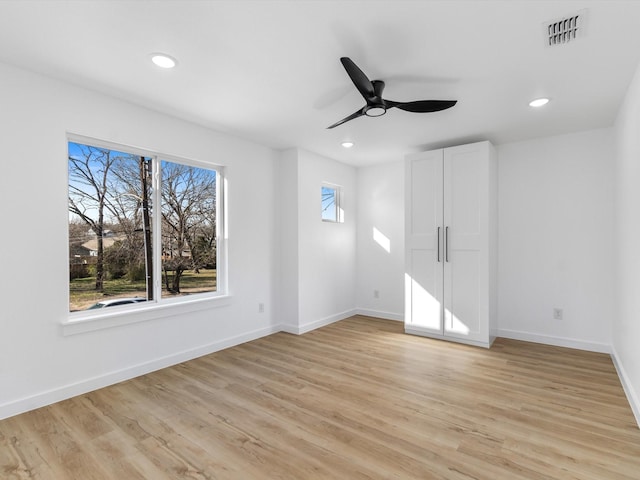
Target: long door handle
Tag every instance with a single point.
(438, 244)
(446, 244)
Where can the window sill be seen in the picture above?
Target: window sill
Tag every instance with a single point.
(89, 323)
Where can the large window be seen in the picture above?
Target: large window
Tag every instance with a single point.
(142, 227)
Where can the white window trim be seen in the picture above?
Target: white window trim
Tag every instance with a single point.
(338, 203)
(87, 321)
(90, 322)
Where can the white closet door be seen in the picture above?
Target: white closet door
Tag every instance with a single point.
(424, 237)
(465, 219)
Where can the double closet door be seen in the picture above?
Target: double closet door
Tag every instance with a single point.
(450, 229)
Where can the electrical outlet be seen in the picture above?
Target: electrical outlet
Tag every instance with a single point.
(557, 314)
(261, 308)
(376, 294)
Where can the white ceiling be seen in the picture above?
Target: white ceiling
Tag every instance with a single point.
(269, 71)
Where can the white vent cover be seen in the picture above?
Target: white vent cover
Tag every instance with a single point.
(565, 30)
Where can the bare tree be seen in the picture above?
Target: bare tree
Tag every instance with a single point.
(77, 233)
(188, 217)
(132, 209)
(105, 185)
(115, 187)
(88, 189)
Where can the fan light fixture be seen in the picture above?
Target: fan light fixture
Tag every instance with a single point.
(375, 111)
(163, 60)
(538, 102)
(347, 144)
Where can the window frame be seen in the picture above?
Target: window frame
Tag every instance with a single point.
(89, 320)
(338, 209)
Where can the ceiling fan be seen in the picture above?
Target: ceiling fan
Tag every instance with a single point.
(376, 106)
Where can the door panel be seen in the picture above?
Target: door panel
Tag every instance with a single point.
(426, 194)
(461, 316)
(424, 250)
(464, 200)
(426, 285)
(462, 171)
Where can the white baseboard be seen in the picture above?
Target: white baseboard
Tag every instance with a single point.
(556, 341)
(307, 327)
(16, 407)
(22, 405)
(632, 396)
(398, 317)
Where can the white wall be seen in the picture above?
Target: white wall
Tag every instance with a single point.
(327, 251)
(38, 364)
(556, 239)
(317, 260)
(381, 207)
(626, 321)
(287, 221)
(556, 245)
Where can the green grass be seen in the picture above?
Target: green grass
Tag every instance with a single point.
(82, 293)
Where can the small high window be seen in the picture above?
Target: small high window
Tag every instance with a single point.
(330, 200)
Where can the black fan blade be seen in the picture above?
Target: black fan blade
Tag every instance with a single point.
(359, 79)
(422, 106)
(346, 119)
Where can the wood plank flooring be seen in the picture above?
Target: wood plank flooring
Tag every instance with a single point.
(357, 399)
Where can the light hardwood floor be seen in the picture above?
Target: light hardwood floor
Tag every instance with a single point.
(358, 399)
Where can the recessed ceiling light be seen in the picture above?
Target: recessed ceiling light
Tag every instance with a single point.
(163, 60)
(538, 102)
(347, 144)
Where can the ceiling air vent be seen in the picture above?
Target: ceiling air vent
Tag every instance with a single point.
(565, 30)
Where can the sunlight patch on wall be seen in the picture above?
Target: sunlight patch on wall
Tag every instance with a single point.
(382, 240)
